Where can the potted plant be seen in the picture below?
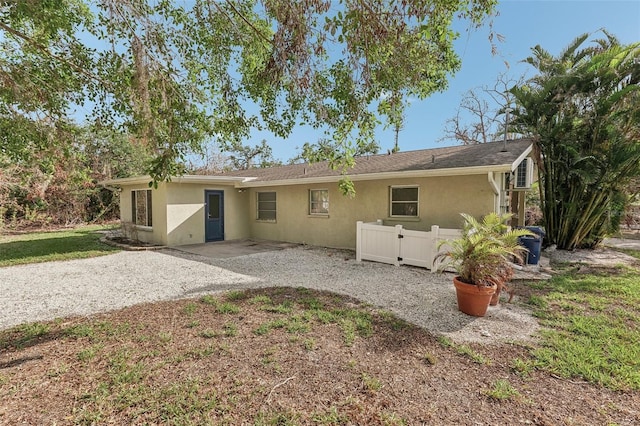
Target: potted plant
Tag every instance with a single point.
(481, 258)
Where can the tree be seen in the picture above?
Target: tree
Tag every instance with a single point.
(44, 69)
(179, 74)
(47, 72)
(58, 185)
(325, 149)
(583, 109)
(209, 162)
(482, 114)
(247, 157)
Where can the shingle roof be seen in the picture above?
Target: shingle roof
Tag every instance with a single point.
(461, 156)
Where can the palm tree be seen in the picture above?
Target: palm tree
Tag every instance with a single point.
(583, 109)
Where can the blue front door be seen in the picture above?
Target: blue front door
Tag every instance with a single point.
(214, 215)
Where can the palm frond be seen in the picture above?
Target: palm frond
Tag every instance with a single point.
(483, 252)
(569, 52)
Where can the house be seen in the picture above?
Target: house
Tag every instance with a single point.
(302, 203)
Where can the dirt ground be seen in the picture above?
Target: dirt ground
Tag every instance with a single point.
(280, 356)
(283, 356)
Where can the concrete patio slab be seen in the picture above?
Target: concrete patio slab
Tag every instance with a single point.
(234, 248)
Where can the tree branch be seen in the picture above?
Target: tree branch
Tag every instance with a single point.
(46, 51)
(237, 12)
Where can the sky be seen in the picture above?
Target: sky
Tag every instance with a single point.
(553, 24)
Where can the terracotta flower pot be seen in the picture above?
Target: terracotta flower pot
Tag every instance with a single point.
(472, 299)
(495, 298)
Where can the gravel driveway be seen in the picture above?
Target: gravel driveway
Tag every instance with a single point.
(83, 287)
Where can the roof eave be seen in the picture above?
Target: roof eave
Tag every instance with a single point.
(405, 174)
(235, 180)
(137, 180)
(134, 180)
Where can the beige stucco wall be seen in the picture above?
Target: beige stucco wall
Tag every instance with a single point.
(179, 213)
(157, 233)
(179, 210)
(441, 200)
(186, 213)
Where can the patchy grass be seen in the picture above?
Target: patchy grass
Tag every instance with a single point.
(630, 252)
(430, 359)
(502, 390)
(78, 243)
(370, 383)
(464, 350)
(287, 356)
(522, 367)
(592, 328)
(297, 356)
(473, 355)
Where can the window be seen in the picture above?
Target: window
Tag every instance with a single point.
(404, 201)
(524, 174)
(267, 206)
(319, 201)
(141, 207)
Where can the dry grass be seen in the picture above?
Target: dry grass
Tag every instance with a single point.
(276, 357)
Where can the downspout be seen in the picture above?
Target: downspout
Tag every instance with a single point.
(496, 191)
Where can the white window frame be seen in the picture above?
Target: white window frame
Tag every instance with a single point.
(528, 174)
(258, 209)
(392, 202)
(148, 206)
(324, 204)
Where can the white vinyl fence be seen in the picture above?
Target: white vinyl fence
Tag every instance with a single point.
(398, 246)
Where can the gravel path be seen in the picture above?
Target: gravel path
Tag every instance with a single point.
(83, 287)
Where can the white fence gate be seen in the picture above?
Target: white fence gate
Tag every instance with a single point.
(398, 246)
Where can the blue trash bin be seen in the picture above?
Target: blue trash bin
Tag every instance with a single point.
(533, 245)
(538, 230)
